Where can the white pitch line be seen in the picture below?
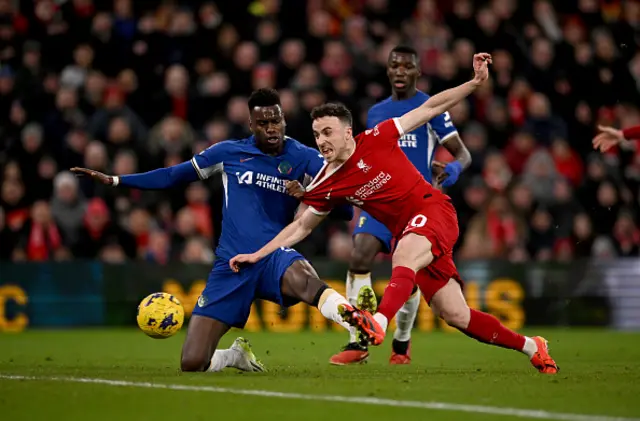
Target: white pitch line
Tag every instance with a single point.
(443, 406)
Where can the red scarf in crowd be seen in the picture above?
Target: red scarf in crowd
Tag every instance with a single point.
(43, 241)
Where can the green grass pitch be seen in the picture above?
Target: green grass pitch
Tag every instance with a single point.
(600, 377)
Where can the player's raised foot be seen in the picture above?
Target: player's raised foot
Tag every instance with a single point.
(400, 352)
(367, 299)
(368, 327)
(352, 353)
(541, 360)
(248, 360)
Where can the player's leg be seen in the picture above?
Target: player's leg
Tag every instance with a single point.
(366, 247)
(405, 319)
(412, 253)
(287, 278)
(199, 351)
(300, 282)
(224, 303)
(202, 339)
(448, 302)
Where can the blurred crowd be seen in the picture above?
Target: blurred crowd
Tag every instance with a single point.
(122, 86)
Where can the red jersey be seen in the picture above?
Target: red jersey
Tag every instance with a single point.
(378, 178)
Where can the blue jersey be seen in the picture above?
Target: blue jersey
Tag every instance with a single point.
(420, 144)
(256, 204)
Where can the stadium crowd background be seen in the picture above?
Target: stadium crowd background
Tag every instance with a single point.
(122, 86)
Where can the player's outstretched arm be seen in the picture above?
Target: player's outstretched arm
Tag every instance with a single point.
(292, 234)
(610, 137)
(162, 178)
(443, 101)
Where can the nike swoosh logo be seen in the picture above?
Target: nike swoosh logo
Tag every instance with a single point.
(247, 159)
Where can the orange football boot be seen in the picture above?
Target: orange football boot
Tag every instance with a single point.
(370, 330)
(541, 360)
(352, 353)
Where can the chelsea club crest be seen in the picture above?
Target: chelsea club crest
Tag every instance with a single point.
(285, 168)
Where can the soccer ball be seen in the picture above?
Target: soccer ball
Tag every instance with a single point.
(160, 315)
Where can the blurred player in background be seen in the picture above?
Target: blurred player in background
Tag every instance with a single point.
(610, 137)
(371, 237)
(256, 207)
(371, 172)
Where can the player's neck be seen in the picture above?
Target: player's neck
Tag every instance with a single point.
(399, 96)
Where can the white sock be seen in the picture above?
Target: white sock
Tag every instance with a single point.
(406, 317)
(382, 320)
(223, 358)
(530, 347)
(329, 309)
(355, 281)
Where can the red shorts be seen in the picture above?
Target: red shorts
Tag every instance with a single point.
(437, 222)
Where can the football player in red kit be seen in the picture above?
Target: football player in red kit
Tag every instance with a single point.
(371, 171)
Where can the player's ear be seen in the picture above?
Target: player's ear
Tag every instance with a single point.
(349, 131)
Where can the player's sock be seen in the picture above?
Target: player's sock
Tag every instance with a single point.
(396, 293)
(355, 281)
(406, 317)
(223, 358)
(328, 305)
(488, 329)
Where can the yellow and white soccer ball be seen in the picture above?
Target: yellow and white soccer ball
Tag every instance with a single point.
(160, 315)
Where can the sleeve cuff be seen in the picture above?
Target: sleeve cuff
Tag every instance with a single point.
(197, 168)
(447, 137)
(116, 181)
(396, 121)
(317, 212)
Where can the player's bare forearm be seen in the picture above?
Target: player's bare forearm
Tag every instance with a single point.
(443, 101)
(436, 105)
(456, 147)
(293, 233)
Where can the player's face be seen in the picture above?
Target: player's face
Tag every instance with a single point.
(267, 125)
(331, 137)
(403, 72)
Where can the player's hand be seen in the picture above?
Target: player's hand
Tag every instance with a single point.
(96, 175)
(607, 138)
(295, 189)
(447, 174)
(241, 259)
(481, 62)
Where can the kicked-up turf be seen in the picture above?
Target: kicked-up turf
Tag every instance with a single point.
(119, 375)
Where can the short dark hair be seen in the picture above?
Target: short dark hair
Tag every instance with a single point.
(333, 109)
(264, 97)
(404, 49)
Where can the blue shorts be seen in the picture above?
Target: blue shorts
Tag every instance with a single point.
(368, 225)
(228, 295)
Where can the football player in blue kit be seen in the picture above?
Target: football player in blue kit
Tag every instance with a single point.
(256, 208)
(370, 237)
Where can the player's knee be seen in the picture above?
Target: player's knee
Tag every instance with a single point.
(193, 363)
(457, 316)
(361, 261)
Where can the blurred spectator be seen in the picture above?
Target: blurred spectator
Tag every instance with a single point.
(67, 206)
(99, 232)
(138, 85)
(41, 238)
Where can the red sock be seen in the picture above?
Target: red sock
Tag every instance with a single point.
(397, 292)
(486, 328)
